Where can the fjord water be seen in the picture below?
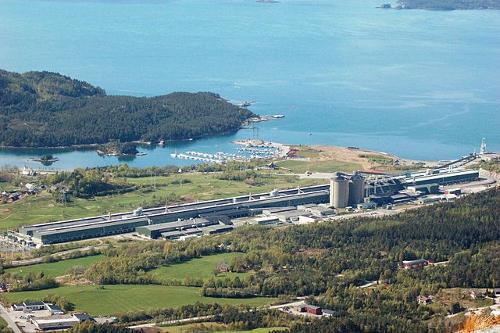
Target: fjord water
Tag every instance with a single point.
(420, 84)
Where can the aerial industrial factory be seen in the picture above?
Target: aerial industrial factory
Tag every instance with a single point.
(345, 193)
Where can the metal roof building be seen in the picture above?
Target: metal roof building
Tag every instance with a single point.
(443, 178)
(79, 232)
(215, 210)
(155, 230)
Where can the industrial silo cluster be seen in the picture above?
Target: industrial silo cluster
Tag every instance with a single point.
(346, 190)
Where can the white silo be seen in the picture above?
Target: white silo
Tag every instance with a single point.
(339, 191)
(356, 189)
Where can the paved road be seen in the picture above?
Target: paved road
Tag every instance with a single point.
(10, 322)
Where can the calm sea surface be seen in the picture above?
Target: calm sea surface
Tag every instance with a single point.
(420, 84)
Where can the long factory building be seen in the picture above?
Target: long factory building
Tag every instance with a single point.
(106, 225)
(144, 221)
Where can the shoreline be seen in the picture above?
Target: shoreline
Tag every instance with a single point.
(89, 146)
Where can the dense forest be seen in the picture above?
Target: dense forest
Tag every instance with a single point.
(329, 261)
(43, 109)
(449, 4)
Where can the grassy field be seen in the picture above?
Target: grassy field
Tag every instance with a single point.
(42, 208)
(201, 268)
(55, 269)
(318, 166)
(115, 299)
(212, 327)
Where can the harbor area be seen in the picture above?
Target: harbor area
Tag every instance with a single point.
(247, 151)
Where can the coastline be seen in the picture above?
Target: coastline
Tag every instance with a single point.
(89, 146)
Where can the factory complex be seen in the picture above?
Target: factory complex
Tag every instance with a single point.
(345, 193)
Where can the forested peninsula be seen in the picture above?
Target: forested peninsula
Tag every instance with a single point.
(449, 4)
(44, 109)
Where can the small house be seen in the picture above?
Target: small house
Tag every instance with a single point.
(315, 310)
(54, 309)
(34, 306)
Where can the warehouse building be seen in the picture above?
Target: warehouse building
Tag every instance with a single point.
(216, 211)
(181, 234)
(442, 177)
(79, 232)
(291, 216)
(217, 229)
(59, 322)
(268, 220)
(155, 231)
(424, 189)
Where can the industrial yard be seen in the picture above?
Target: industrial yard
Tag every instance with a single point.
(373, 184)
(346, 194)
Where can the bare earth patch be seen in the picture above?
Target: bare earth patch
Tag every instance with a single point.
(348, 155)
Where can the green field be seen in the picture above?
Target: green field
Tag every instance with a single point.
(55, 269)
(200, 268)
(296, 166)
(42, 208)
(114, 299)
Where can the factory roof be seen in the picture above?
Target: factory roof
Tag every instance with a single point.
(178, 233)
(178, 224)
(218, 204)
(442, 175)
(273, 210)
(292, 213)
(34, 303)
(215, 228)
(58, 230)
(266, 218)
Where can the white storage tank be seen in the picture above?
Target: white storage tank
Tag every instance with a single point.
(356, 189)
(339, 191)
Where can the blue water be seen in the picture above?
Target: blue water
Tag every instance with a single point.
(420, 84)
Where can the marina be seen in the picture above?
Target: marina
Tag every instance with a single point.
(249, 150)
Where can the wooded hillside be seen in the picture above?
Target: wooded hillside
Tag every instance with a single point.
(43, 109)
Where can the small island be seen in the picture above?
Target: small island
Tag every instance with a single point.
(48, 159)
(117, 148)
(44, 109)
